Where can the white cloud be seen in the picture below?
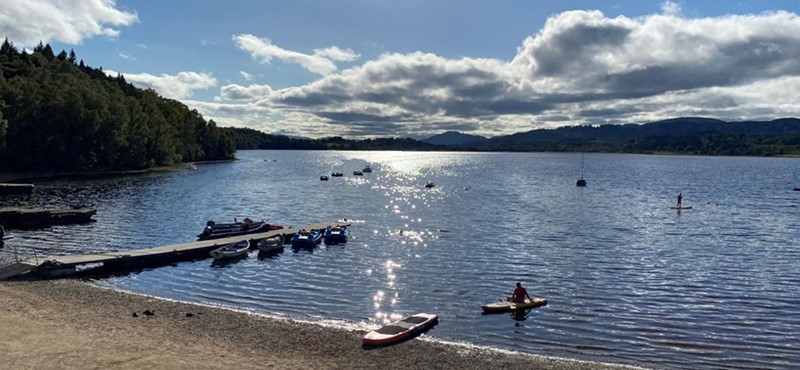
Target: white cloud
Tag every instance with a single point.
(251, 92)
(581, 67)
(125, 55)
(246, 75)
(176, 86)
(334, 53)
(70, 21)
(321, 62)
(671, 8)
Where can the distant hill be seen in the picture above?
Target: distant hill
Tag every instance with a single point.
(451, 138)
(690, 135)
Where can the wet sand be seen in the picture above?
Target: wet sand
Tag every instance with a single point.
(70, 324)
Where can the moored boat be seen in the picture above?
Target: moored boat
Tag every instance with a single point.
(336, 234)
(367, 169)
(216, 231)
(401, 330)
(357, 173)
(429, 185)
(231, 250)
(337, 174)
(271, 244)
(306, 238)
(323, 178)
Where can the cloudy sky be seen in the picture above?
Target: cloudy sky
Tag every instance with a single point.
(414, 68)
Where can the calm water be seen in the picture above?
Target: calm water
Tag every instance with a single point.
(628, 279)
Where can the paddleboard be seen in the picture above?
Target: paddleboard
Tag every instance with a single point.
(499, 307)
(400, 330)
(682, 207)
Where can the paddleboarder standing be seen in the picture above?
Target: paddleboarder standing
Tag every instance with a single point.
(680, 198)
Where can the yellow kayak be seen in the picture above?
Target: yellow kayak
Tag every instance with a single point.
(498, 307)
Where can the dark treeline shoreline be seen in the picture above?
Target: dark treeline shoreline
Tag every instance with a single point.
(57, 113)
(691, 136)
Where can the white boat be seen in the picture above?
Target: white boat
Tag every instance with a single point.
(271, 244)
(231, 250)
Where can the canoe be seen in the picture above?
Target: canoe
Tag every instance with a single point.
(271, 244)
(499, 307)
(231, 250)
(400, 330)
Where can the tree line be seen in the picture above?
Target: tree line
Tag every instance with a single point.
(58, 113)
(247, 138)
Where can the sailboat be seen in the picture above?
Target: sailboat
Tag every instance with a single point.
(581, 181)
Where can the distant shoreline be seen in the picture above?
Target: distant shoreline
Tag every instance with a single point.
(44, 175)
(79, 326)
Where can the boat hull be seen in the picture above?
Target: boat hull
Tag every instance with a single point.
(401, 330)
(500, 307)
(233, 250)
(306, 240)
(336, 235)
(271, 244)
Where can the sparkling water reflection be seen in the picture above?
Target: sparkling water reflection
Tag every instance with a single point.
(627, 279)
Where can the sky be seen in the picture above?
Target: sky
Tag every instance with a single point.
(416, 68)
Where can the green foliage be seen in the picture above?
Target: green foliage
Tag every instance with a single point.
(55, 114)
(246, 138)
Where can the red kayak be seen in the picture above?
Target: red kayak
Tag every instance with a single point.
(400, 330)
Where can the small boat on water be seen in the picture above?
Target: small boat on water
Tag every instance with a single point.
(506, 306)
(358, 173)
(581, 181)
(217, 231)
(429, 185)
(401, 330)
(306, 239)
(367, 169)
(336, 234)
(337, 174)
(271, 244)
(231, 250)
(323, 178)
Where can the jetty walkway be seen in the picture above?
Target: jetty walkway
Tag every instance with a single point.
(62, 266)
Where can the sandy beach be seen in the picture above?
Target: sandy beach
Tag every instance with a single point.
(70, 324)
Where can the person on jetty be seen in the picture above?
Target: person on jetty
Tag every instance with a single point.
(680, 198)
(519, 294)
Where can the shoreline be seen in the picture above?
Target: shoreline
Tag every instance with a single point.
(77, 325)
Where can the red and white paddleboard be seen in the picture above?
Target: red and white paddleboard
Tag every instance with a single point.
(400, 330)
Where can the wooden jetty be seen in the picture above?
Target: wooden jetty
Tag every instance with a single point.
(34, 217)
(8, 189)
(62, 266)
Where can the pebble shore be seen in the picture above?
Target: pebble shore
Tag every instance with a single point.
(70, 324)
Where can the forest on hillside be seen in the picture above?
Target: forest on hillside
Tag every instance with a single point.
(58, 113)
(247, 138)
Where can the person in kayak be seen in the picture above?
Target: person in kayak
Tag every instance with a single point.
(519, 294)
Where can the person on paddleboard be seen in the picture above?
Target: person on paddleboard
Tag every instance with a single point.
(519, 294)
(680, 198)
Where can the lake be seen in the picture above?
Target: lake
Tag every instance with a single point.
(628, 279)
